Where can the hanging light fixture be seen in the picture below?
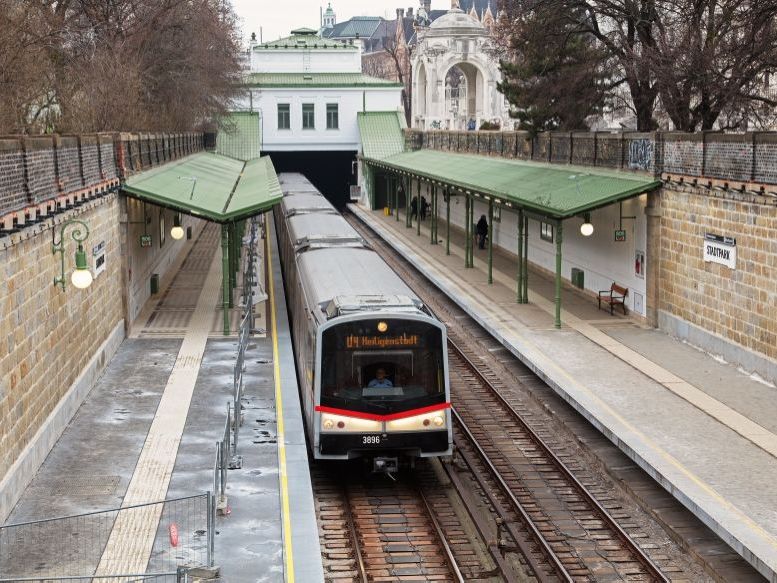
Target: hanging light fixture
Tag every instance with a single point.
(177, 231)
(81, 277)
(587, 229)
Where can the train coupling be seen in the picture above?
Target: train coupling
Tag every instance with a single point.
(385, 465)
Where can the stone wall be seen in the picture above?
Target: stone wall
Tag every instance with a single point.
(47, 335)
(720, 309)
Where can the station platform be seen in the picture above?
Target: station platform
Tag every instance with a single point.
(147, 433)
(704, 430)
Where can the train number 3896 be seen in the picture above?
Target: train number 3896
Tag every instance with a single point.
(371, 439)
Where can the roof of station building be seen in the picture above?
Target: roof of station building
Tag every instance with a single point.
(225, 189)
(305, 39)
(554, 191)
(381, 133)
(297, 80)
(361, 26)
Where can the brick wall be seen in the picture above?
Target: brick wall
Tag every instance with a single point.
(13, 191)
(90, 160)
(68, 163)
(738, 305)
(47, 336)
(41, 172)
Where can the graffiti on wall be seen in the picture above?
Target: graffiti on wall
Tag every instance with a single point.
(641, 154)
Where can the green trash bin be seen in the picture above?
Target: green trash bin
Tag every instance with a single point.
(154, 283)
(578, 278)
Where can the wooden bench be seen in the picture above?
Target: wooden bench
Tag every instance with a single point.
(615, 296)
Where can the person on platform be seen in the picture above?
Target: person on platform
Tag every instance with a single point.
(381, 381)
(414, 208)
(482, 231)
(424, 208)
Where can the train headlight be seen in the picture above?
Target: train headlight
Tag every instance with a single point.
(425, 422)
(332, 423)
(382, 326)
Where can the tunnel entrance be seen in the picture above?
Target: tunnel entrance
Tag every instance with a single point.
(331, 172)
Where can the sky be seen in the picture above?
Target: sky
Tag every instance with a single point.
(278, 17)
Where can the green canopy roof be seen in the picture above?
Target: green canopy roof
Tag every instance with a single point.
(381, 133)
(550, 190)
(240, 136)
(225, 189)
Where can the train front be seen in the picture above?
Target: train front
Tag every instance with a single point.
(382, 389)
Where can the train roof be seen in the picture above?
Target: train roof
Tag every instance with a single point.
(316, 229)
(294, 204)
(295, 181)
(353, 274)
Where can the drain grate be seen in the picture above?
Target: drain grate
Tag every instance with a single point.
(77, 487)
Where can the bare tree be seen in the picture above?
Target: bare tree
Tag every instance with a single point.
(399, 56)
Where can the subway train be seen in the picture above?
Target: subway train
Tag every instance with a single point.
(371, 359)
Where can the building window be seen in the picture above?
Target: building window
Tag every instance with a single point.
(332, 116)
(546, 232)
(284, 116)
(308, 116)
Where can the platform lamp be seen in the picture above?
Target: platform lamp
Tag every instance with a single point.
(177, 231)
(587, 228)
(81, 277)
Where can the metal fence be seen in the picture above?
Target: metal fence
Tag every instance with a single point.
(180, 576)
(72, 546)
(227, 456)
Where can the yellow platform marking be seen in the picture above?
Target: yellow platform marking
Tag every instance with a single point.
(283, 473)
(535, 354)
(131, 541)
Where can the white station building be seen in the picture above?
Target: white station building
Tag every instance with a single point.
(309, 91)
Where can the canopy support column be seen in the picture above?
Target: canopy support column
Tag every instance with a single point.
(558, 274)
(467, 231)
(491, 241)
(525, 259)
(226, 291)
(519, 290)
(396, 198)
(447, 196)
(419, 211)
(408, 220)
(432, 217)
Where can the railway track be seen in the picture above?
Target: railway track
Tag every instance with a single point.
(565, 521)
(559, 526)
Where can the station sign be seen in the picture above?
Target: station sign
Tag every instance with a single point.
(720, 249)
(145, 240)
(620, 235)
(98, 258)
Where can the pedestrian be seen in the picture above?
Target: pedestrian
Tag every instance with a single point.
(414, 208)
(482, 231)
(423, 209)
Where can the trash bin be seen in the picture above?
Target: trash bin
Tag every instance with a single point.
(578, 277)
(154, 283)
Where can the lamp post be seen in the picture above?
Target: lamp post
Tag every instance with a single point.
(81, 277)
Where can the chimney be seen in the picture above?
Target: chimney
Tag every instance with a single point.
(410, 12)
(428, 6)
(400, 13)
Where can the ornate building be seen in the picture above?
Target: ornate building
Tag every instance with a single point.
(455, 73)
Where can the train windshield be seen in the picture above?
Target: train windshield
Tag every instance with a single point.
(382, 366)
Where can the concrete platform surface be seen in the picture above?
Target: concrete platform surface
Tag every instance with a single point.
(100, 459)
(701, 428)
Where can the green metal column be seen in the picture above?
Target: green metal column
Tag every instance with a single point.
(519, 291)
(418, 210)
(447, 196)
(471, 223)
(434, 215)
(226, 290)
(408, 222)
(525, 259)
(491, 241)
(558, 274)
(396, 197)
(466, 230)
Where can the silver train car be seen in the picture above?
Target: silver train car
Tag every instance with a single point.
(371, 359)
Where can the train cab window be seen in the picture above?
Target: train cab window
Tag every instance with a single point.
(365, 370)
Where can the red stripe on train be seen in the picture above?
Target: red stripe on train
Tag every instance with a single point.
(392, 417)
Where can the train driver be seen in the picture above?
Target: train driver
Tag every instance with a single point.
(381, 381)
